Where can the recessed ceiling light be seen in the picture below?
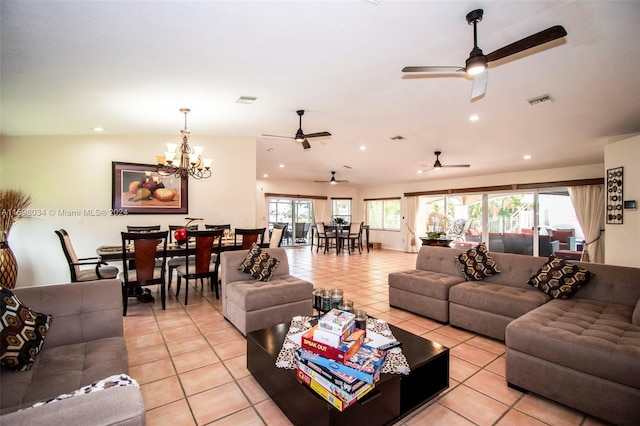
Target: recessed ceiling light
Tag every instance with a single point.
(265, 175)
(474, 117)
(98, 129)
(363, 148)
(527, 157)
(271, 149)
(281, 166)
(247, 100)
(420, 171)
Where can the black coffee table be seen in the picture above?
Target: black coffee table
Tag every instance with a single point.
(394, 396)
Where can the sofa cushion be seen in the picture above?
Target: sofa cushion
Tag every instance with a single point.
(281, 290)
(559, 279)
(23, 332)
(64, 369)
(426, 283)
(259, 264)
(635, 319)
(476, 263)
(496, 298)
(586, 335)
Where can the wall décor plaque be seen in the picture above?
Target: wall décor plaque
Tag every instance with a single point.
(614, 196)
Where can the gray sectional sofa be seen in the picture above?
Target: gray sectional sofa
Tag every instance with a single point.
(83, 345)
(250, 304)
(583, 352)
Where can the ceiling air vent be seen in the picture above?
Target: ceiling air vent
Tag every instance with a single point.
(544, 99)
(246, 100)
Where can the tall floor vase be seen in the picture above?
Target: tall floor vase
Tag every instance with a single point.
(8, 266)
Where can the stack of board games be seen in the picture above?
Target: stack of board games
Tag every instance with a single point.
(335, 363)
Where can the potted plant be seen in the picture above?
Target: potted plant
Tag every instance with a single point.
(13, 205)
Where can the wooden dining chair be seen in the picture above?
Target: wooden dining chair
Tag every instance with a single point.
(147, 247)
(325, 236)
(205, 261)
(176, 261)
(99, 270)
(249, 236)
(351, 236)
(226, 226)
(149, 228)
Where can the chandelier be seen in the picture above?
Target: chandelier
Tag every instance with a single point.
(182, 160)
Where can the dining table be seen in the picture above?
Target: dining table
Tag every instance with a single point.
(112, 253)
(340, 229)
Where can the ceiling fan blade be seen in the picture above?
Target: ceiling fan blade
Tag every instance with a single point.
(317, 135)
(456, 165)
(534, 40)
(479, 85)
(306, 144)
(277, 136)
(433, 69)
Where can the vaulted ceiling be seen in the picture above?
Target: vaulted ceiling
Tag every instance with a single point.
(128, 66)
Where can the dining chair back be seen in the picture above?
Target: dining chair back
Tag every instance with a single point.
(205, 261)
(249, 236)
(352, 236)
(99, 270)
(226, 226)
(325, 236)
(136, 228)
(277, 234)
(147, 247)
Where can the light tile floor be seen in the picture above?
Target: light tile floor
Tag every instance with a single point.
(191, 363)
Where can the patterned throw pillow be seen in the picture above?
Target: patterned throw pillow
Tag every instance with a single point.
(259, 264)
(476, 263)
(560, 279)
(23, 332)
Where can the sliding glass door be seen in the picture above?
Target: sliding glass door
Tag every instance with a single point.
(297, 214)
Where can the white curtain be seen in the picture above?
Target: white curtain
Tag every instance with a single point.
(321, 210)
(588, 202)
(412, 205)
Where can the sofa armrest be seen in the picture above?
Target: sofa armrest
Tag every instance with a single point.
(122, 406)
(81, 312)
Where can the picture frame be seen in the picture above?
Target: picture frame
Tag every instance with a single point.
(135, 190)
(615, 206)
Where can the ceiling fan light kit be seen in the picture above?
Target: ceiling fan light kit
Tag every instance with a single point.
(478, 63)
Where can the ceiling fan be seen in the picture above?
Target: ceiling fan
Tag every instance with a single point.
(300, 135)
(438, 165)
(477, 63)
(333, 180)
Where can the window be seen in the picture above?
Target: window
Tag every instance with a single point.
(510, 218)
(341, 210)
(383, 214)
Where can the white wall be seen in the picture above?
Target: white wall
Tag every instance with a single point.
(63, 172)
(621, 241)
